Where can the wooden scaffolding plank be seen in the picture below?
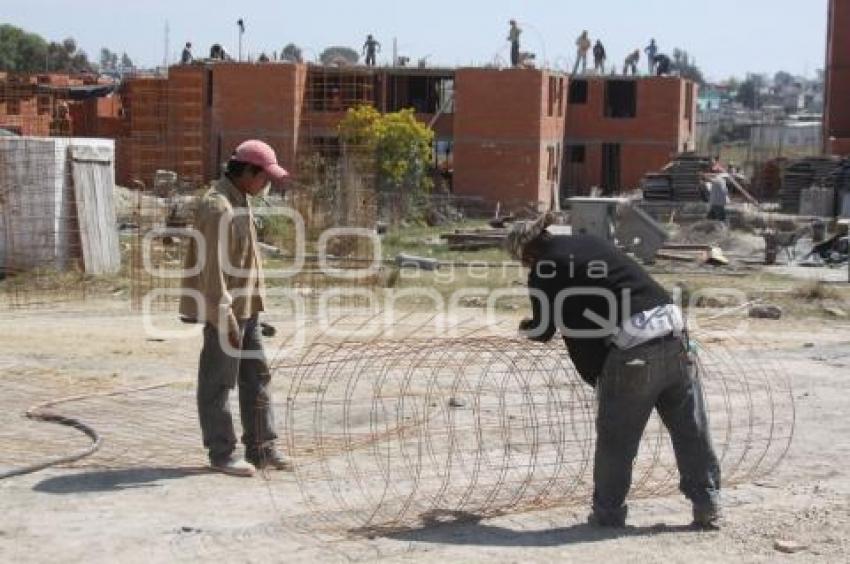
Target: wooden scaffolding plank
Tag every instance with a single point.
(93, 175)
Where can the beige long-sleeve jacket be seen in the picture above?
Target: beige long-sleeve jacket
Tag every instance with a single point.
(229, 278)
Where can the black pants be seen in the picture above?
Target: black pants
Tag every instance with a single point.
(370, 58)
(218, 373)
(717, 213)
(659, 375)
(514, 53)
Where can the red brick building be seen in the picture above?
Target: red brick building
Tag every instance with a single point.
(619, 128)
(508, 134)
(191, 121)
(505, 135)
(48, 104)
(837, 113)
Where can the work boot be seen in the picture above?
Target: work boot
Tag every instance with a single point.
(612, 519)
(269, 458)
(233, 467)
(706, 518)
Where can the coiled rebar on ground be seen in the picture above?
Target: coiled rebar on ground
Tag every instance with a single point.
(388, 432)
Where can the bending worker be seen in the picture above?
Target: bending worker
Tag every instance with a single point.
(626, 338)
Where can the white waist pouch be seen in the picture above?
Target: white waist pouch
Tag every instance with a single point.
(648, 325)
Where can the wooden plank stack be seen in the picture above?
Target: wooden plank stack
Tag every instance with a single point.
(474, 239)
(679, 181)
(94, 179)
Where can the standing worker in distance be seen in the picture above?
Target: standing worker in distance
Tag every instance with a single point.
(186, 56)
(627, 339)
(651, 50)
(599, 57)
(370, 48)
(582, 47)
(718, 196)
(513, 37)
(227, 294)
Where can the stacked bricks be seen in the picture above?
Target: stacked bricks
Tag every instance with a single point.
(143, 150)
(187, 130)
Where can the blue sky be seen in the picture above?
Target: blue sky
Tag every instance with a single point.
(727, 37)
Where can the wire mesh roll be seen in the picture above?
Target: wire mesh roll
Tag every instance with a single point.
(388, 433)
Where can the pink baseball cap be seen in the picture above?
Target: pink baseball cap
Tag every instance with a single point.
(258, 153)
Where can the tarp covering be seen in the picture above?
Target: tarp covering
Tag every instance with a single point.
(79, 92)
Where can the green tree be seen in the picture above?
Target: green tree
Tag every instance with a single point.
(687, 66)
(400, 146)
(337, 54)
(783, 78)
(106, 59)
(21, 51)
(292, 53)
(749, 90)
(126, 62)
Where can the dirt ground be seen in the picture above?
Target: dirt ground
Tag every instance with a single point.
(145, 497)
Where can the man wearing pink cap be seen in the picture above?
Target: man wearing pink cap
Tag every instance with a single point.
(227, 294)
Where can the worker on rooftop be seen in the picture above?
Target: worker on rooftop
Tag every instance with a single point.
(662, 64)
(628, 340)
(582, 47)
(186, 57)
(651, 50)
(513, 36)
(370, 48)
(599, 57)
(631, 63)
(225, 291)
(217, 53)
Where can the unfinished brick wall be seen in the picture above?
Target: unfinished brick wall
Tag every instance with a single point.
(837, 114)
(28, 110)
(508, 126)
(142, 151)
(255, 101)
(188, 124)
(22, 109)
(505, 130)
(662, 123)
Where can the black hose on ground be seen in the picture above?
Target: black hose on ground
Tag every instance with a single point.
(37, 413)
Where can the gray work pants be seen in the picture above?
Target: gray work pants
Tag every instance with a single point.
(717, 213)
(514, 53)
(218, 373)
(581, 59)
(661, 375)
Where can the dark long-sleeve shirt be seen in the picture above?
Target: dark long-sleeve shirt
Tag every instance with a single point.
(599, 51)
(590, 275)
